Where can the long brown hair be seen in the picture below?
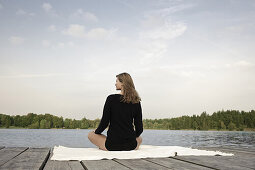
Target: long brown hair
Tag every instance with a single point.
(129, 92)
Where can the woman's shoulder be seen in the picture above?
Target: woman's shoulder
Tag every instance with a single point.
(117, 96)
(110, 96)
(114, 95)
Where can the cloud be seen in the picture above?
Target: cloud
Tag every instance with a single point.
(240, 64)
(151, 52)
(88, 16)
(47, 7)
(46, 43)
(100, 33)
(152, 21)
(75, 30)
(78, 31)
(61, 45)
(154, 36)
(1, 6)
(34, 75)
(125, 3)
(198, 70)
(167, 31)
(22, 12)
(52, 28)
(186, 70)
(158, 28)
(172, 9)
(16, 40)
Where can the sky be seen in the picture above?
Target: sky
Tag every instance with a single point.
(184, 56)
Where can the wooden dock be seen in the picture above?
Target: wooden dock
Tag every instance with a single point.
(39, 158)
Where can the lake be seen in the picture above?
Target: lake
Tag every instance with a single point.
(78, 138)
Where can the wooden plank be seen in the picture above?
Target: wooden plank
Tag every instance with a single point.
(32, 158)
(75, 165)
(176, 164)
(228, 150)
(103, 164)
(244, 159)
(9, 153)
(140, 164)
(218, 162)
(54, 164)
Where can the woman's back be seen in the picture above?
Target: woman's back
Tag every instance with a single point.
(121, 116)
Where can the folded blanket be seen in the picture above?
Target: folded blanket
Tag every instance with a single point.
(63, 153)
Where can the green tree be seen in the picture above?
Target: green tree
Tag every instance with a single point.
(231, 126)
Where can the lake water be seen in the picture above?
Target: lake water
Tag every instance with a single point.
(78, 138)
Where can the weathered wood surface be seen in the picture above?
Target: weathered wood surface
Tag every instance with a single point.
(176, 164)
(231, 150)
(39, 158)
(31, 158)
(9, 153)
(103, 164)
(52, 165)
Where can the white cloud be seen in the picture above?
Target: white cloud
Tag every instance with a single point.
(241, 63)
(167, 8)
(167, 31)
(61, 45)
(199, 70)
(22, 12)
(49, 10)
(155, 33)
(46, 43)
(52, 28)
(157, 29)
(65, 44)
(98, 33)
(172, 9)
(1, 6)
(16, 40)
(47, 7)
(151, 52)
(34, 75)
(88, 16)
(70, 43)
(77, 30)
(152, 21)
(187, 70)
(126, 3)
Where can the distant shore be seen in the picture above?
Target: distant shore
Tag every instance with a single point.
(245, 129)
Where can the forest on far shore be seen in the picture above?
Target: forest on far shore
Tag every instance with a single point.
(220, 120)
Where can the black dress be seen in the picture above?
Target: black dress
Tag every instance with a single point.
(120, 147)
(121, 135)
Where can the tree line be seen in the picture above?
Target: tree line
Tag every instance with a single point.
(220, 120)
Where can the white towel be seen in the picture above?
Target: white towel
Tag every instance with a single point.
(62, 153)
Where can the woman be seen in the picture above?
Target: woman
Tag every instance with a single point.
(120, 110)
